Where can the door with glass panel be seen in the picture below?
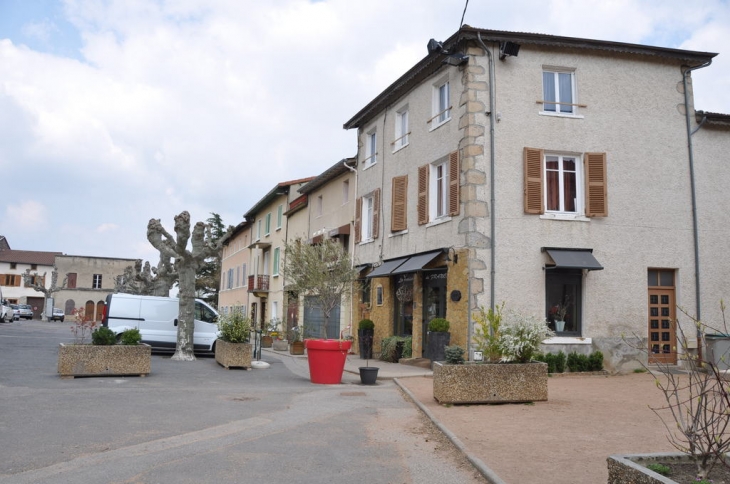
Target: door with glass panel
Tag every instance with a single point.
(662, 316)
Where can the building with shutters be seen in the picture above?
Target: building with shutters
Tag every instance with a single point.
(235, 263)
(13, 264)
(543, 171)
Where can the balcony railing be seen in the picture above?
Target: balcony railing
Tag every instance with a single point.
(258, 283)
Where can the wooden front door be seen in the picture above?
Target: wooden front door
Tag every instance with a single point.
(662, 317)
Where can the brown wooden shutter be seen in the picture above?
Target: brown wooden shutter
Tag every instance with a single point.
(398, 215)
(534, 197)
(423, 194)
(376, 213)
(71, 284)
(596, 185)
(454, 184)
(358, 219)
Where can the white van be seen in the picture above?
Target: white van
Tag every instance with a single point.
(157, 318)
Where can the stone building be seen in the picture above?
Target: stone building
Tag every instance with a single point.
(544, 172)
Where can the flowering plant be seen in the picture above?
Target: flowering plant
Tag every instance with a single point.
(520, 337)
(559, 311)
(83, 326)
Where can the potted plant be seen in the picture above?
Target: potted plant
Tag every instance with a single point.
(267, 339)
(558, 313)
(365, 332)
(324, 274)
(368, 374)
(509, 375)
(103, 356)
(233, 349)
(438, 338)
(296, 345)
(278, 343)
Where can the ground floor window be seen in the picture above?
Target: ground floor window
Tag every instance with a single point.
(403, 317)
(563, 296)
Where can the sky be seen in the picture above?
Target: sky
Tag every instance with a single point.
(113, 112)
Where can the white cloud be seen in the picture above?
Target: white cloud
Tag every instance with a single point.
(107, 227)
(41, 30)
(30, 215)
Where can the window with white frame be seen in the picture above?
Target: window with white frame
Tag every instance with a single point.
(563, 187)
(371, 148)
(96, 283)
(320, 206)
(258, 230)
(401, 129)
(279, 216)
(243, 273)
(441, 104)
(274, 310)
(277, 254)
(558, 91)
(345, 191)
(268, 223)
(439, 190)
(368, 205)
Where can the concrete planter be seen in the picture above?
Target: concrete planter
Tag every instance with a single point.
(490, 382)
(631, 468)
(96, 360)
(280, 345)
(233, 354)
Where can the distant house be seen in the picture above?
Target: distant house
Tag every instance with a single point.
(544, 171)
(235, 264)
(13, 264)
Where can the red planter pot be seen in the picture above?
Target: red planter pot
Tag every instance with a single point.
(327, 359)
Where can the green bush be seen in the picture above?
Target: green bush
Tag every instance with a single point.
(486, 332)
(592, 362)
(438, 325)
(103, 336)
(659, 469)
(389, 348)
(234, 327)
(555, 362)
(131, 337)
(595, 361)
(454, 355)
(366, 324)
(560, 362)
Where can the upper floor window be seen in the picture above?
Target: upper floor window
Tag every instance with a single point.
(345, 191)
(367, 217)
(268, 224)
(438, 189)
(371, 148)
(258, 229)
(558, 91)
(441, 110)
(96, 281)
(320, 206)
(399, 207)
(567, 184)
(71, 280)
(401, 129)
(238, 276)
(34, 267)
(279, 216)
(277, 255)
(13, 265)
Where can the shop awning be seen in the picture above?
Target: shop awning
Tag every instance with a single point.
(572, 259)
(387, 267)
(417, 262)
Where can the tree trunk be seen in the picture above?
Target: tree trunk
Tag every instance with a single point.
(186, 321)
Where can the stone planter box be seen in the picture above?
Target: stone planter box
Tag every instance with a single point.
(490, 382)
(233, 354)
(281, 345)
(631, 468)
(96, 360)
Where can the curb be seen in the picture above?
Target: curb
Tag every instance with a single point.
(480, 466)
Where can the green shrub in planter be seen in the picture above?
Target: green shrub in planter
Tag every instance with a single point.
(366, 324)
(438, 325)
(131, 337)
(103, 336)
(234, 327)
(454, 355)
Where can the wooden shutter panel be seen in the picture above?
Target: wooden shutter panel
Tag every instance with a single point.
(398, 220)
(454, 184)
(596, 185)
(534, 190)
(423, 194)
(358, 219)
(376, 213)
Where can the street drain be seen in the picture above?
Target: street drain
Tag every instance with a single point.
(352, 394)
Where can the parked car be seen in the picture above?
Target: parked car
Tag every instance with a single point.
(26, 311)
(57, 315)
(6, 312)
(16, 311)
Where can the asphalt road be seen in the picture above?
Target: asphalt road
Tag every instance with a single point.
(195, 422)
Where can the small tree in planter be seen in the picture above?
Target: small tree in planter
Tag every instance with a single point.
(365, 332)
(438, 338)
(296, 345)
(103, 356)
(232, 347)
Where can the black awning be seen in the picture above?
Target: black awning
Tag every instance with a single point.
(417, 262)
(572, 259)
(387, 267)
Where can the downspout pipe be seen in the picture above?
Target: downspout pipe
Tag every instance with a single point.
(690, 149)
(492, 184)
(352, 252)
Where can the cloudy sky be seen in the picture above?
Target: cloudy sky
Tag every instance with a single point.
(113, 112)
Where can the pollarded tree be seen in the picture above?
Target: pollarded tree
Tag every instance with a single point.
(187, 263)
(37, 282)
(147, 281)
(323, 272)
